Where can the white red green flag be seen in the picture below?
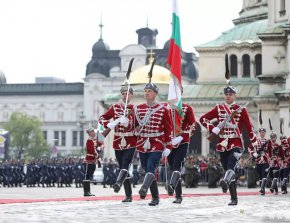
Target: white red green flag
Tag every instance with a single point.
(174, 61)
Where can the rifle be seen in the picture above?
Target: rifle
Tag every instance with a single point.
(221, 125)
(108, 130)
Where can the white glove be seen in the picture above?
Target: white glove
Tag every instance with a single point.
(255, 155)
(176, 140)
(166, 152)
(216, 130)
(113, 124)
(124, 121)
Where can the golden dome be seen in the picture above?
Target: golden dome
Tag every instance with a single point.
(161, 75)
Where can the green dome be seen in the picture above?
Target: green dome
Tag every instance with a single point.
(246, 32)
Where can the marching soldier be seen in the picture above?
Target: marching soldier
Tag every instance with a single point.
(124, 140)
(154, 134)
(180, 145)
(276, 156)
(231, 118)
(262, 158)
(230, 142)
(286, 163)
(91, 159)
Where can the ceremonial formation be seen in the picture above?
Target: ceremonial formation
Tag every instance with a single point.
(150, 130)
(272, 159)
(154, 139)
(159, 133)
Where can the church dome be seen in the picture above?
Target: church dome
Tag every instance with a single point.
(243, 33)
(160, 75)
(100, 46)
(2, 78)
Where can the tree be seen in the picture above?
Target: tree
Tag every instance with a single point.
(26, 136)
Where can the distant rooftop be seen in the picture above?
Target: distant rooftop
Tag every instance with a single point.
(246, 32)
(42, 89)
(43, 80)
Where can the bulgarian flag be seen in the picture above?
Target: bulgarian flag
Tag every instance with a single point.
(174, 61)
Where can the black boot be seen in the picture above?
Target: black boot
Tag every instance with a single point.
(263, 185)
(233, 192)
(284, 186)
(154, 193)
(175, 178)
(273, 185)
(128, 191)
(224, 183)
(120, 180)
(87, 188)
(148, 179)
(178, 194)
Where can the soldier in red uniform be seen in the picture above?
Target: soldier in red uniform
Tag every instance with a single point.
(154, 134)
(92, 156)
(124, 140)
(285, 163)
(180, 145)
(262, 158)
(276, 159)
(230, 142)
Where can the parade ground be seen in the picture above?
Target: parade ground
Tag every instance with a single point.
(199, 205)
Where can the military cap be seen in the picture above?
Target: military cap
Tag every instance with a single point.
(125, 88)
(152, 87)
(90, 129)
(273, 135)
(262, 129)
(230, 89)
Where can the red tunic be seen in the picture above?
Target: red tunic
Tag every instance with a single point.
(188, 125)
(155, 128)
(264, 156)
(276, 154)
(123, 137)
(91, 151)
(286, 150)
(229, 137)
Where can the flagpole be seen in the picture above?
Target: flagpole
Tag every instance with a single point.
(174, 124)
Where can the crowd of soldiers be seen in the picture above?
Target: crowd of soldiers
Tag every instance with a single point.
(272, 161)
(54, 172)
(42, 172)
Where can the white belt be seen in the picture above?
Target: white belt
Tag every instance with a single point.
(151, 134)
(229, 136)
(124, 134)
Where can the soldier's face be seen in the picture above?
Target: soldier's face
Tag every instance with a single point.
(92, 133)
(273, 139)
(230, 97)
(149, 94)
(262, 134)
(124, 95)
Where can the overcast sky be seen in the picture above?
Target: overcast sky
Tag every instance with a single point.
(55, 37)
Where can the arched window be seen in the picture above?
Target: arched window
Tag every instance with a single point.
(233, 66)
(258, 64)
(246, 65)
